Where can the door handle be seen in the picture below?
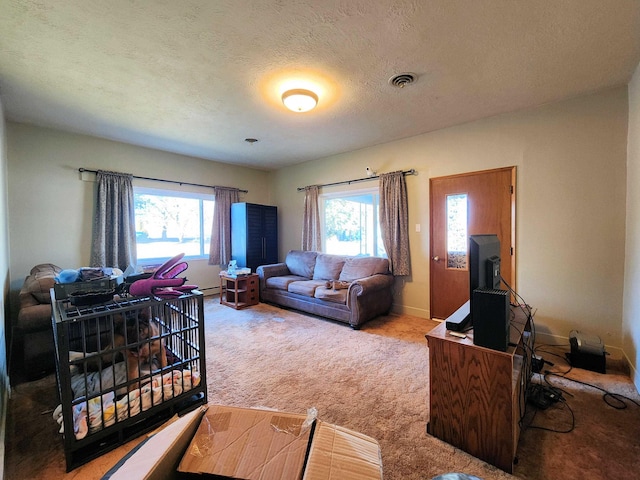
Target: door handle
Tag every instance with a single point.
(436, 258)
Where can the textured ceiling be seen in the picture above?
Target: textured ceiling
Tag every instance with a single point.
(197, 77)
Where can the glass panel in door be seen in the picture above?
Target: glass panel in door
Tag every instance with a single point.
(457, 231)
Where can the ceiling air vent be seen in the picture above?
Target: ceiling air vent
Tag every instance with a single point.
(402, 79)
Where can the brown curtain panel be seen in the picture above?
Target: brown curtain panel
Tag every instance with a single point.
(311, 239)
(220, 246)
(394, 221)
(114, 225)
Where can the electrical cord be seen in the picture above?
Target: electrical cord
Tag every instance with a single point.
(517, 296)
(547, 429)
(608, 397)
(529, 353)
(563, 357)
(528, 314)
(555, 387)
(614, 400)
(526, 370)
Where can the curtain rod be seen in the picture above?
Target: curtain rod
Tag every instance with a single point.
(166, 181)
(349, 182)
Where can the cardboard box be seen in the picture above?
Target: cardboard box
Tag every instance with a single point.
(249, 444)
(339, 454)
(157, 457)
(244, 443)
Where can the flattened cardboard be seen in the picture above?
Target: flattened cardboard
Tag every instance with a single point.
(248, 444)
(335, 453)
(338, 454)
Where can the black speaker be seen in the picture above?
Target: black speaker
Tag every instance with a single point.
(491, 316)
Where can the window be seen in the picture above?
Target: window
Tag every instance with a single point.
(457, 219)
(350, 223)
(169, 223)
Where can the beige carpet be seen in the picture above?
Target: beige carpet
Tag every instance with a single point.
(374, 380)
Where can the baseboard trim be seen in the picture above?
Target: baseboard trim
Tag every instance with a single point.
(616, 357)
(210, 291)
(633, 373)
(397, 309)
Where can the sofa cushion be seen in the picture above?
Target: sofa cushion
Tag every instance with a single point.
(360, 267)
(301, 263)
(331, 295)
(328, 267)
(282, 283)
(306, 287)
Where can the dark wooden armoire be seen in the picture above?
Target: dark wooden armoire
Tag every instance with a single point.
(254, 234)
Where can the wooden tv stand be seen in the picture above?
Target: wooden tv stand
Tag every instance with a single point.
(476, 394)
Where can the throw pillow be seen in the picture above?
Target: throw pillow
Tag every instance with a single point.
(328, 267)
(301, 263)
(360, 267)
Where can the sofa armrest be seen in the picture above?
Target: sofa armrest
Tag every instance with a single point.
(366, 285)
(36, 289)
(27, 299)
(369, 297)
(35, 318)
(274, 270)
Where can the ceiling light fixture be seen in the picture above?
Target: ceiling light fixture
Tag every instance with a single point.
(299, 100)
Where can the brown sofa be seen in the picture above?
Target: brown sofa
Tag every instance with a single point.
(34, 332)
(365, 288)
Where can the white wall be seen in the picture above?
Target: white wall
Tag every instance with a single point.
(571, 167)
(631, 308)
(51, 206)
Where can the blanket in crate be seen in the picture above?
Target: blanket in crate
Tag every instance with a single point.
(101, 411)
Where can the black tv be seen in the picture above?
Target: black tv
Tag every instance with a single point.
(489, 305)
(484, 273)
(484, 262)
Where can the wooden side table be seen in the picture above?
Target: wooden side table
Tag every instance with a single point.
(239, 292)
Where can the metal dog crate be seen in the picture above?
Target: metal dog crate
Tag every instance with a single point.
(102, 404)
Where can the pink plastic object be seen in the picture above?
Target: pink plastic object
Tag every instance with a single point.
(163, 282)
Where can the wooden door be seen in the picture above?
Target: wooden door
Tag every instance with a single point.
(489, 200)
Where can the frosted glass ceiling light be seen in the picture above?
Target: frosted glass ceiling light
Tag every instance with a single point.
(299, 100)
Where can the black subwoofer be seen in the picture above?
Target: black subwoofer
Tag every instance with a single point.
(491, 313)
